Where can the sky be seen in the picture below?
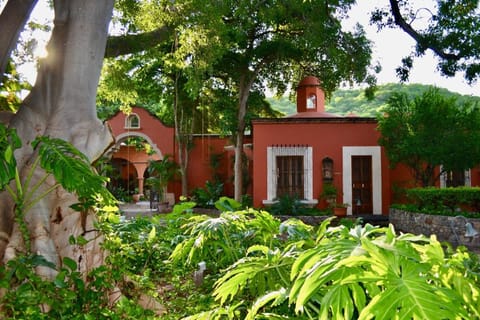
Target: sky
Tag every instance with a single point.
(390, 46)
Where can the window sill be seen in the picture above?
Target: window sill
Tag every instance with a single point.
(309, 203)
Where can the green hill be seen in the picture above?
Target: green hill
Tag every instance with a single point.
(354, 101)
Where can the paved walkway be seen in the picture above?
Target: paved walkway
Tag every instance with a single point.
(141, 208)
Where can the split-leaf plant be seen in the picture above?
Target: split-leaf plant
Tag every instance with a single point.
(363, 272)
(223, 240)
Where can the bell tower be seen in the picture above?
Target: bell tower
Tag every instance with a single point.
(310, 96)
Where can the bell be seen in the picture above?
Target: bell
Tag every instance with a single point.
(470, 231)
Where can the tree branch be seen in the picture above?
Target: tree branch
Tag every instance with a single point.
(420, 39)
(12, 21)
(133, 43)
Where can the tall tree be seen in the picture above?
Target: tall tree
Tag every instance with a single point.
(252, 44)
(430, 131)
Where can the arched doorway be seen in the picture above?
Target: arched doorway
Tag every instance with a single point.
(129, 159)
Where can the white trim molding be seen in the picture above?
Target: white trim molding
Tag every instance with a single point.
(129, 119)
(125, 135)
(294, 150)
(375, 153)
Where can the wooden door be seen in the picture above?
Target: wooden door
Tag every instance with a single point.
(362, 202)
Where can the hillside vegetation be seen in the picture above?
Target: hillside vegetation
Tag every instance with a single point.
(354, 101)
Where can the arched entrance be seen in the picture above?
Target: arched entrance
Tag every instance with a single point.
(130, 158)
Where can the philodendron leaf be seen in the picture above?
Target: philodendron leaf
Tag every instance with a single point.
(9, 141)
(275, 298)
(71, 168)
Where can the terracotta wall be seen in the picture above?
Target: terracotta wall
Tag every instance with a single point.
(326, 137)
(200, 168)
(150, 126)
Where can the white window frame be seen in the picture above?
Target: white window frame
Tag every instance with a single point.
(307, 153)
(128, 121)
(443, 178)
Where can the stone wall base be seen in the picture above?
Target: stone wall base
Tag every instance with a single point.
(447, 228)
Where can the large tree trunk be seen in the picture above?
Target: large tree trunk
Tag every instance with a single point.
(238, 165)
(245, 84)
(62, 105)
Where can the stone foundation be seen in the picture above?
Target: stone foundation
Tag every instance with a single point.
(447, 228)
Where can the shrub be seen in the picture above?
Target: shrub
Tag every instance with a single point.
(439, 199)
(207, 196)
(67, 296)
(288, 205)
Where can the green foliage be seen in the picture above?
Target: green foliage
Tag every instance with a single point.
(223, 240)
(206, 197)
(227, 204)
(71, 168)
(161, 173)
(68, 296)
(288, 205)
(430, 131)
(450, 30)
(140, 246)
(257, 268)
(139, 251)
(351, 273)
(9, 142)
(440, 199)
(11, 88)
(59, 158)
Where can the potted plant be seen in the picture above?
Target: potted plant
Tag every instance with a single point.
(161, 173)
(136, 196)
(329, 193)
(340, 209)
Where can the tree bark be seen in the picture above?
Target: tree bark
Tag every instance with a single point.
(247, 79)
(62, 105)
(133, 43)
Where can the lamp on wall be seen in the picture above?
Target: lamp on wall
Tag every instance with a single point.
(327, 170)
(470, 231)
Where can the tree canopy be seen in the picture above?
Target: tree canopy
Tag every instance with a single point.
(450, 28)
(430, 131)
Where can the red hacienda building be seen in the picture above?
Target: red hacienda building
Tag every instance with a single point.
(298, 154)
